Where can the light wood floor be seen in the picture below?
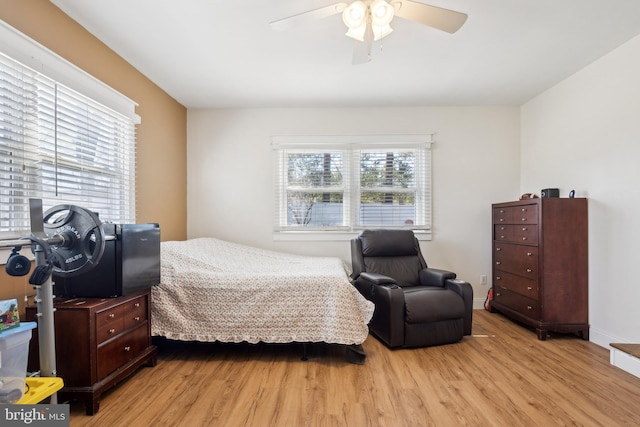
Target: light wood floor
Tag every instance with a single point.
(500, 376)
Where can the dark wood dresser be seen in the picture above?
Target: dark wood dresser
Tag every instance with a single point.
(540, 264)
(99, 342)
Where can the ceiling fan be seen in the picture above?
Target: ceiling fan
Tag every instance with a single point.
(369, 20)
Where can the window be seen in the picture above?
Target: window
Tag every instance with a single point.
(62, 147)
(351, 183)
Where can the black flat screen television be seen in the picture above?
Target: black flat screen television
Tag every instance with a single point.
(130, 263)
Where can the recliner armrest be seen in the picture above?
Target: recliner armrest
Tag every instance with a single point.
(366, 283)
(388, 318)
(377, 279)
(465, 290)
(435, 277)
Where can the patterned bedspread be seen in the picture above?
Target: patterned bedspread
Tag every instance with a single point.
(213, 290)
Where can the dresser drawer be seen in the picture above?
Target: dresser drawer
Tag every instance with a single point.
(527, 233)
(135, 312)
(524, 214)
(518, 284)
(527, 214)
(503, 215)
(523, 305)
(117, 352)
(503, 232)
(517, 259)
(109, 323)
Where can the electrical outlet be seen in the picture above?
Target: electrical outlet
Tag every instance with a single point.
(483, 279)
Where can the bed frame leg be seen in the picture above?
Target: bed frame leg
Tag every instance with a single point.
(356, 354)
(304, 357)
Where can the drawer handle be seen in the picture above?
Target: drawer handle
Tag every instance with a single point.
(529, 307)
(529, 270)
(137, 318)
(112, 315)
(501, 219)
(524, 219)
(136, 305)
(498, 262)
(498, 294)
(529, 254)
(498, 278)
(112, 331)
(127, 348)
(501, 210)
(498, 249)
(524, 209)
(529, 288)
(524, 238)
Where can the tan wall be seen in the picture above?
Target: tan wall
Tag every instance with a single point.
(16, 287)
(161, 177)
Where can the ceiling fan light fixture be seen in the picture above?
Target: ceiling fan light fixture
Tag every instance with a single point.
(380, 32)
(381, 13)
(358, 14)
(355, 18)
(355, 15)
(357, 33)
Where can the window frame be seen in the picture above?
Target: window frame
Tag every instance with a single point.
(351, 145)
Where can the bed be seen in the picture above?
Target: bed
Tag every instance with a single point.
(214, 290)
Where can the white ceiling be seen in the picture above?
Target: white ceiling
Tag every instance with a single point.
(213, 53)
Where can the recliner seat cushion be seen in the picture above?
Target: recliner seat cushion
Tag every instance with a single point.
(424, 304)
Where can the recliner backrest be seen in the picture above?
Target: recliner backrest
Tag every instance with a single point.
(394, 253)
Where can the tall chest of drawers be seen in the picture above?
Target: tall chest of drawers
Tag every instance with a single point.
(99, 342)
(540, 264)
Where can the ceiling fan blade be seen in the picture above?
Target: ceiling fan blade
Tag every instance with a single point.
(362, 49)
(432, 16)
(301, 18)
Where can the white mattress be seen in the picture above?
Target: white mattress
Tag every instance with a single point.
(213, 290)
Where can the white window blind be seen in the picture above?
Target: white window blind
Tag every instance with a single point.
(62, 147)
(314, 189)
(342, 183)
(393, 187)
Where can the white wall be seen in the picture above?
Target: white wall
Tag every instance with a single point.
(475, 161)
(584, 134)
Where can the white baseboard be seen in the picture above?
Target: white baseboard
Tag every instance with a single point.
(625, 361)
(478, 303)
(617, 358)
(596, 336)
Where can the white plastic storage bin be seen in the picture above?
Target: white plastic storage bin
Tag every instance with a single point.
(14, 353)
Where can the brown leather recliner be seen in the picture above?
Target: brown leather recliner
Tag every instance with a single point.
(415, 306)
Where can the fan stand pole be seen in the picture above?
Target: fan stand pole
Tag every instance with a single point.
(46, 330)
